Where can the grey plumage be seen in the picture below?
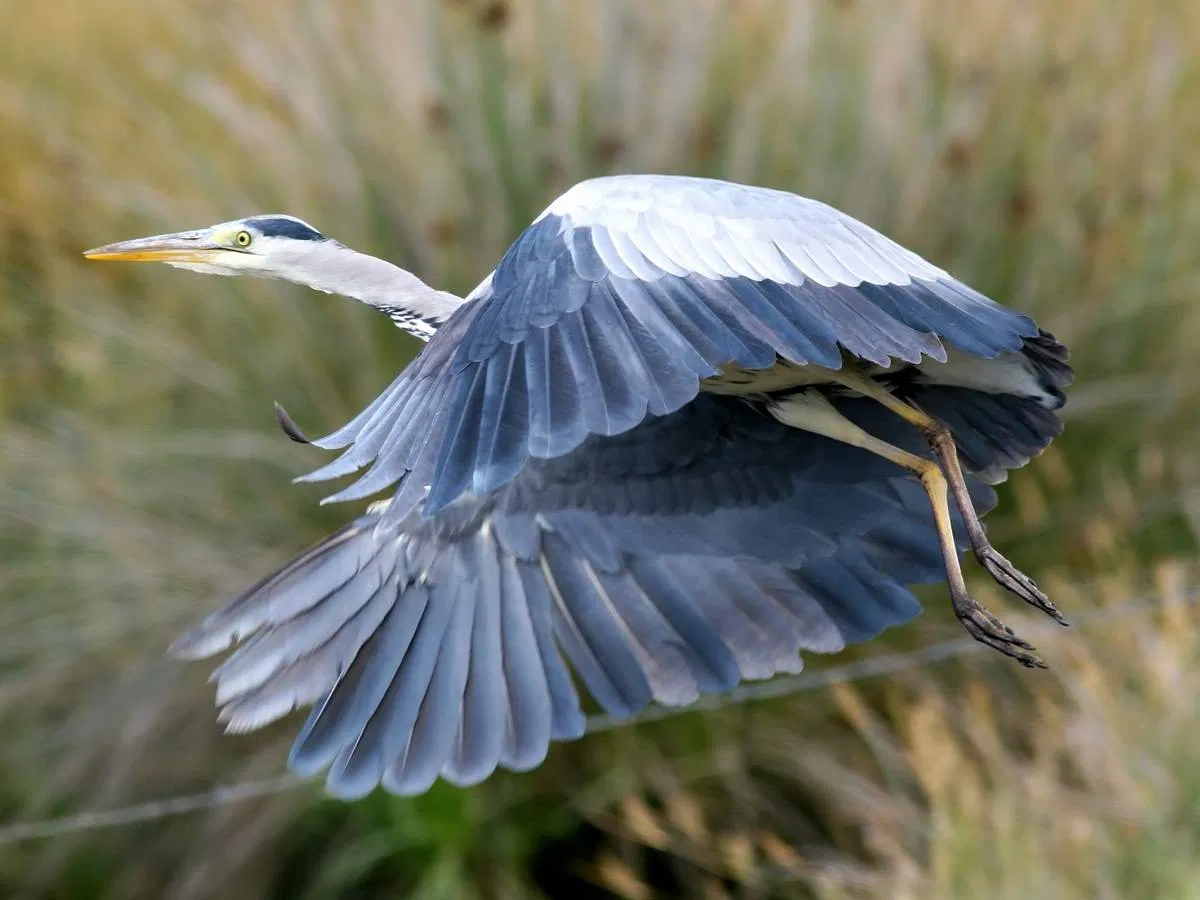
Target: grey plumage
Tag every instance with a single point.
(659, 577)
(599, 315)
(592, 477)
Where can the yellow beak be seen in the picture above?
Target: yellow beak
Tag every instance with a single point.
(183, 246)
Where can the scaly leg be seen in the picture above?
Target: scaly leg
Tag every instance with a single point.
(811, 411)
(942, 442)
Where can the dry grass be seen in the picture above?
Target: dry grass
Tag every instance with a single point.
(1044, 152)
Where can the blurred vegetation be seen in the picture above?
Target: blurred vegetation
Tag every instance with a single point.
(1044, 152)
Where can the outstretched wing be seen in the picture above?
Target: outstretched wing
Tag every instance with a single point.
(620, 298)
(437, 647)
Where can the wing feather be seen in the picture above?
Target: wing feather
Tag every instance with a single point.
(484, 723)
(505, 404)
(381, 710)
(290, 639)
(430, 743)
(312, 576)
(591, 636)
(335, 725)
(684, 277)
(667, 562)
(352, 429)
(530, 716)
(304, 680)
(586, 369)
(624, 406)
(555, 413)
(567, 719)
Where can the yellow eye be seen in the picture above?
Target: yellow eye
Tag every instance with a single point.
(242, 239)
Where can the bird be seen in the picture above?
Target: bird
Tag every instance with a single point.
(684, 430)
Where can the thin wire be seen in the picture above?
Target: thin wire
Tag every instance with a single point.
(796, 684)
(883, 664)
(148, 812)
(808, 681)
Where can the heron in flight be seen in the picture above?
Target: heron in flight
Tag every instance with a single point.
(685, 430)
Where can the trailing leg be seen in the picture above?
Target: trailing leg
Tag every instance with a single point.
(942, 443)
(811, 411)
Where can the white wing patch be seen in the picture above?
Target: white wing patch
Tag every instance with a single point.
(655, 224)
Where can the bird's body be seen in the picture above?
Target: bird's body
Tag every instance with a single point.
(684, 430)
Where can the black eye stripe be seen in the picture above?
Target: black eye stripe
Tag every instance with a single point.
(281, 226)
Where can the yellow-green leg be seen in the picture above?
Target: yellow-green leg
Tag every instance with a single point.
(942, 443)
(811, 411)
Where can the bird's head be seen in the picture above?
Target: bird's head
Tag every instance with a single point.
(270, 246)
(284, 247)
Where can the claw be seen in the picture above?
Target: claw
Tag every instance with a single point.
(1013, 579)
(1004, 572)
(989, 630)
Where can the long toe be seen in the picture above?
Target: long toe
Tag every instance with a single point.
(1013, 579)
(987, 629)
(1010, 645)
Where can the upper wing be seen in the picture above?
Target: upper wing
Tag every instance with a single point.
(437, 647)
(620, 298)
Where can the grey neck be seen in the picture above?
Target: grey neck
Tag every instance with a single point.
(413, 305)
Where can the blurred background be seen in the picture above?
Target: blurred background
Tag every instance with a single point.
(1045, 152)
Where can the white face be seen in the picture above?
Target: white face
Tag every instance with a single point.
(260, 245)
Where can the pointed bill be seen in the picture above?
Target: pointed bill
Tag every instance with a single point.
(182, 246)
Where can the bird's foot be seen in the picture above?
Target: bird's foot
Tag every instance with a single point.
(1013, 579)
(987, 629)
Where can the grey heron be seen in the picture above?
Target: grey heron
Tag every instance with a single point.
(685, 430)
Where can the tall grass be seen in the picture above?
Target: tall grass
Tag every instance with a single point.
(1043, 152)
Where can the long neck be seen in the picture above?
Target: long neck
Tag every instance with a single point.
(408, 301)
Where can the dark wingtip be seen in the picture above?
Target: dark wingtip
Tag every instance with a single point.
(289, 426)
